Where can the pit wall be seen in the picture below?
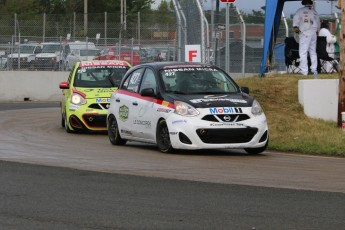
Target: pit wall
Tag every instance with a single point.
(318, 97)
(17, 86)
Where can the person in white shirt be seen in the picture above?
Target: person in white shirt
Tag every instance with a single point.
(306, 22)
(331, 40)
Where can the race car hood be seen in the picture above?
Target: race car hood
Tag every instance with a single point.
(215, 100)
(96, 92)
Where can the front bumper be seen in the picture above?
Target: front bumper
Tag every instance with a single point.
(88, 117)
(197, 133)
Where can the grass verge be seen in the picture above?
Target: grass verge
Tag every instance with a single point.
(289, 128)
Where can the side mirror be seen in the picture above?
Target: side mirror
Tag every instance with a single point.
(148, 92)
(245, 89)
(64, 85)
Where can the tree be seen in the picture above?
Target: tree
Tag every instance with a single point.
(165, 14)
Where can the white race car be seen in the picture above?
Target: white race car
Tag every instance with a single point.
(185, 106)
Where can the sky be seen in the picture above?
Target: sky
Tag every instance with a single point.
(323, 7)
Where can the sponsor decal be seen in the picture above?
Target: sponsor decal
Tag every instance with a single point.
(144, 123)
(179, 121)
(165, 103)
(182, 66)
(214, 96)
(163, 110)
(73, 107)
(88, 90)
(123, 113)
(173, 133)
(207, 69)
(218, 99)
(102, 63)
(102, 100)
(226, 124)
(225, 110)
(105, 90)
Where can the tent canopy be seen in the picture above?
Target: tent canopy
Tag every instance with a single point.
(272, 22)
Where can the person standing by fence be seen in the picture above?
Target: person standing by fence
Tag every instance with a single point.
(306, 22)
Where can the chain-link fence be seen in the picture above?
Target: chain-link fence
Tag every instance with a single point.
(233, 39)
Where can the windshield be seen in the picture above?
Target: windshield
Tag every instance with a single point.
(99, 76)
(197, 80)
(88, 52)
(25, 50)
(52, 48)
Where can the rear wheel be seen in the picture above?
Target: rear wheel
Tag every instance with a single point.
(163, 137)
(113, 132)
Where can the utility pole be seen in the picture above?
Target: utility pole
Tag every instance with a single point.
(341, 100)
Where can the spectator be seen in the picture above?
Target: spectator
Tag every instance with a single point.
(306, 22)
(331, 40)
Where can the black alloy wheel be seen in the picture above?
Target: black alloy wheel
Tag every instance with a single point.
(113, 132)
(163, 137)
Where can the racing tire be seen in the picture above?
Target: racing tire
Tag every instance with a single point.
(113, 132)
(163, 137)
(62, 121)
(66, 125)
(255, 151)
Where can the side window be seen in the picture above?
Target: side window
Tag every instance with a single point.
(133, 80)
(149, 80)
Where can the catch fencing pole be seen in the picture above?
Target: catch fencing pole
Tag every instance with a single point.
(243, 41)
(227, 38)
(179, 27)
(202, 33)
(286, 25)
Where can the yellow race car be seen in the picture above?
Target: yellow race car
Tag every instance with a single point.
(86, 94)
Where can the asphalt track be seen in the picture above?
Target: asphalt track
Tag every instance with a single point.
(195, 189)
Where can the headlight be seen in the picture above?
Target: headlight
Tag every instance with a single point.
(77, 99)
(256, 108)
(185, 109)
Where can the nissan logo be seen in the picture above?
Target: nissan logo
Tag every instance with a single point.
(227, 118)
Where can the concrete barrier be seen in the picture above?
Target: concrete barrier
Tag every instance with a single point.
(31, 85)
(318, 97)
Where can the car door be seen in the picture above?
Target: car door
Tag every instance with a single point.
(127, 103)
(145, 120)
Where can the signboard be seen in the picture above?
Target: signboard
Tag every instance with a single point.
(192, 53)
(227, 1)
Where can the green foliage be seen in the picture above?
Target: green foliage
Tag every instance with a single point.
(165, 14)
(290, 129)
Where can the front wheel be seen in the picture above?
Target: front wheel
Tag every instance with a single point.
(66, 124)
(255, 151)
(113, 132)
(163, 138)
